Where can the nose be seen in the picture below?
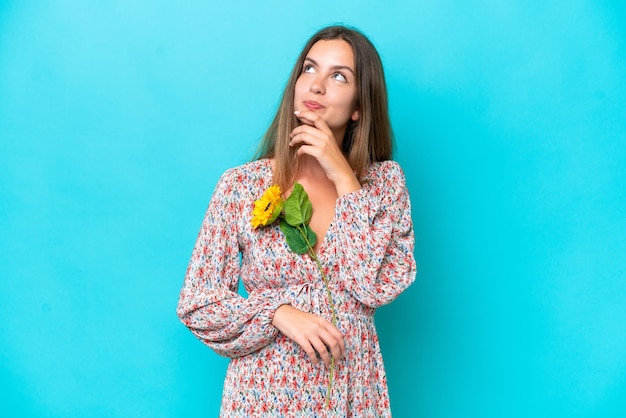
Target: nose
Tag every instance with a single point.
(317, 86)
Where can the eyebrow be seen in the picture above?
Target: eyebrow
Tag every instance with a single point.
(335, 67)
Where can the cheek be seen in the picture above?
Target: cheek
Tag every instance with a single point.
(345, 100)
(299, 88)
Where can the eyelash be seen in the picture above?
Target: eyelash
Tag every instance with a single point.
(343, 77)
(307, 67)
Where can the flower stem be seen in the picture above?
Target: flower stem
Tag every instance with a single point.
(313, 255)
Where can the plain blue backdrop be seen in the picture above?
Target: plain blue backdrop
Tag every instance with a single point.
(117, 118)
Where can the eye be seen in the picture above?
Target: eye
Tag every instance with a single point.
(340, 77)
(308, 68)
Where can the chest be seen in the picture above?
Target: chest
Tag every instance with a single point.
(323, 200)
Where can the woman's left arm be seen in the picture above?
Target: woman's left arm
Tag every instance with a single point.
(377, 241)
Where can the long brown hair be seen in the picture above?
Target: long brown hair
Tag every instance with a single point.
(366, 140)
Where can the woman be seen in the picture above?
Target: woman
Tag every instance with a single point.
(332, 135)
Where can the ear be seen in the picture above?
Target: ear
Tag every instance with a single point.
(355, 115)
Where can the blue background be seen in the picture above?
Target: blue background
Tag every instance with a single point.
(117, 118)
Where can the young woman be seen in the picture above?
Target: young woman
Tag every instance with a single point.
(332, 135)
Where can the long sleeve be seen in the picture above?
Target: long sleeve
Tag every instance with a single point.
(378, 242)
(367, 255)
(209, 304)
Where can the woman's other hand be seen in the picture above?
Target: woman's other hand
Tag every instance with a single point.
(313, 333)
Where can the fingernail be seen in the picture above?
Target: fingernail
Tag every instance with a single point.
(297, 112)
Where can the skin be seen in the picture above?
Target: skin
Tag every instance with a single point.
(325, 102)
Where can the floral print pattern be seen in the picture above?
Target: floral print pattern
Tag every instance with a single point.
(367, 255)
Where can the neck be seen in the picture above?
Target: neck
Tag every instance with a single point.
(340, 134)
(310, 168)
(312, 175)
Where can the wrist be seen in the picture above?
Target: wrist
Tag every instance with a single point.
(347, 184)
(279, 311)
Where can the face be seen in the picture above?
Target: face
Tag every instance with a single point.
(327, 84)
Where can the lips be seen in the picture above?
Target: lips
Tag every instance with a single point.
(312, 105)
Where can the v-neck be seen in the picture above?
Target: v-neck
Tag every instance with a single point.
(325, 241)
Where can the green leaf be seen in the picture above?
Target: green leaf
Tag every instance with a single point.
(278, 208)
(298, 208)
(294, 238)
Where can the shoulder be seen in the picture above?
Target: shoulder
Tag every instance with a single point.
(247, 179)
(245, 182)
(385, 183)
(385, 172)
(251, 172)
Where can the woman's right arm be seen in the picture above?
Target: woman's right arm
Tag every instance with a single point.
(209, 304)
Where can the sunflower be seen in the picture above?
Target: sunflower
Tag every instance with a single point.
(267, 208)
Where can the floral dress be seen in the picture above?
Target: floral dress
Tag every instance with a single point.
(367, 255)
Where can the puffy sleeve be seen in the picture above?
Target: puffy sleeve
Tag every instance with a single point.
(209, 304)
(377, 240)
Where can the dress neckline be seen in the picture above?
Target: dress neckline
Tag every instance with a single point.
(324, 243)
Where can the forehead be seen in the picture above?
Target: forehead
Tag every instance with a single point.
(332, 52)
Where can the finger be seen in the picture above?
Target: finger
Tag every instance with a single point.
(310, 137)
(303, 119)
(313, 119)
(335, 343)
(308, 150)
(335, 351)
(339, 351)
(303, 140)
(312, 130)
(322, 350)
(314, 137)
(333, 340)
(309, 350)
